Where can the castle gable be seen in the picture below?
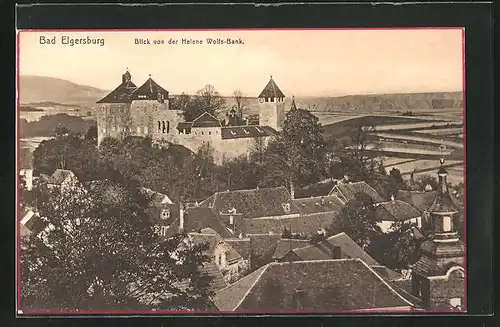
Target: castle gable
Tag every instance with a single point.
(206, 120)
(121, 94)
(150, 90)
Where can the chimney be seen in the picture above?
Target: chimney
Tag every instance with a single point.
(181, 216)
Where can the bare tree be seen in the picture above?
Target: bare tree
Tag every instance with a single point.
(241, 102)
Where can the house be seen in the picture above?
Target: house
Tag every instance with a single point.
(389, 212)
(438, 276)
(233, 206)
(258, 248)
(347, 192)
(339, 246)
(311, 286)
(231, 264)
(26, 166)
(61, 178)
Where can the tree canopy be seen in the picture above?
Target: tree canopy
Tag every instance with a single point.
(100, 253)
(206, 99)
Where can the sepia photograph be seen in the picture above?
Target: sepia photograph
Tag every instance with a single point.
(259, 171)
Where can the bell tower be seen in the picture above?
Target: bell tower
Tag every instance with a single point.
(271, 106)
(437, 277)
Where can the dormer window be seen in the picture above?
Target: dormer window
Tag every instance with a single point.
(165, 214)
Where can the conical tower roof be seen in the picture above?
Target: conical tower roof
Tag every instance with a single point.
(271, 90)
(443, 202)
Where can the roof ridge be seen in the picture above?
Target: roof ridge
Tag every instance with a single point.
(312, 261)
(205, 112)
(385, 283)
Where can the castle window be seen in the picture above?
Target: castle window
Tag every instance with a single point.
(163, 127)
(159, 126)
(168, 127)
(209, 133)
(138, 130)
(446, 224)
(201, 133)
(267, 99)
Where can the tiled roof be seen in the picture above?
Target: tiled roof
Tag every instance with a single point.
(184, 125)
(271, 91)
(436, 257)
(350, 190)
(60, 176)
(25, 158)
(235, 132)
(264, 202)
(242, 246)
(323, 250)
(319, 204)
(420, 200)
(304, 224)
(286, 245)
(148, 91)
(324, 285)
(198, 219)
(121, 94)
(206, 120)
(396, 210)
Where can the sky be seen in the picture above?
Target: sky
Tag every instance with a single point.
(301, 62)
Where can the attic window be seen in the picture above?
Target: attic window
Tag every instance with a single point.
(165, 214)
(446, 224)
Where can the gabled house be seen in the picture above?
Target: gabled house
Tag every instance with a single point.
(311, 286)
(231, 264)
(389, 212)
(61, 178)
(346, 192)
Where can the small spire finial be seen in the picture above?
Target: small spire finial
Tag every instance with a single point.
(126, 68)
(149, 75)
(271, 76)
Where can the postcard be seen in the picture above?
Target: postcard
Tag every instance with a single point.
(241, 171)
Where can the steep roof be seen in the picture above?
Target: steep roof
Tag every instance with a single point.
(396, 210)
(271, 90)
(262, 202)
(199, 218)
(206, 120)
(324, 285)
(350, 190)
(148, 91)
(121, 94)
(323, 250)
(319, 204)
(420, 200)
(60, 176)
(242, 246)
(286, 245)
(235, 132)
(212, 240)
(303, 224)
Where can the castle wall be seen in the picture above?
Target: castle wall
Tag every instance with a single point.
(113, 120)
(171, 118)
(141, 112)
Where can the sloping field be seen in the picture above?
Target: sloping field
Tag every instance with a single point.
(424, 165)
(412, 126)
(422, 139)
(443, 131)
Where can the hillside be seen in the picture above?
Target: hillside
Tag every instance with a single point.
(36, 89)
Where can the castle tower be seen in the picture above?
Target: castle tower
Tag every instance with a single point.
(437, 277)
(272, 106)
(113, 111)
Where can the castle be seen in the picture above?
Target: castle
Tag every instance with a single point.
(144, 111)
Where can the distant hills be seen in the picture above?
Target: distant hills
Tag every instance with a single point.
(43, 91)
